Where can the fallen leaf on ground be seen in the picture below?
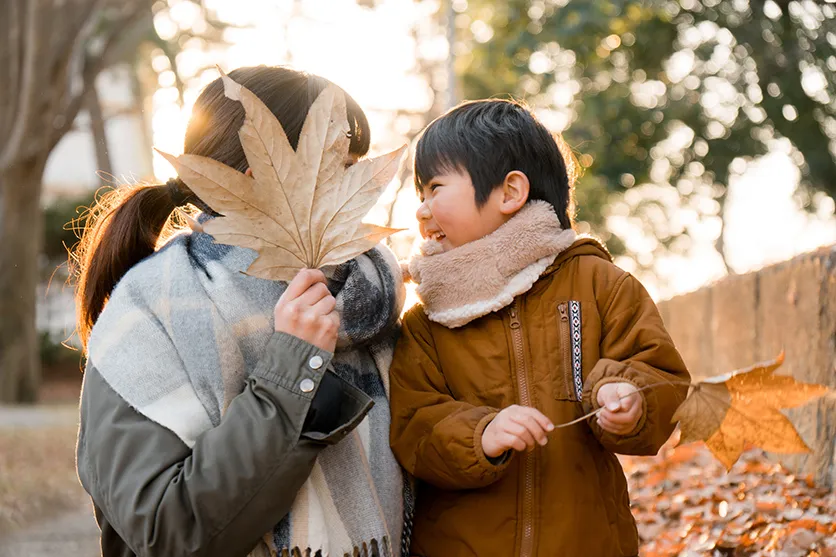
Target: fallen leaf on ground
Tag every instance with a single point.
(299, 209)
(666, 489)
(744, 407)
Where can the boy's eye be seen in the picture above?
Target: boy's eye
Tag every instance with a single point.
(434, 186)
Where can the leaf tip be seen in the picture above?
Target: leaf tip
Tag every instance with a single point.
(170, 158)
(232, 90)
(780, 359)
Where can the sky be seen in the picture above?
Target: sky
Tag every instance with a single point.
(372, 53)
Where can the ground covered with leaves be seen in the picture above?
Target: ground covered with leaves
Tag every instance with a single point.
(686, 505)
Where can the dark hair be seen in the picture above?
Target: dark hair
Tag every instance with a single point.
(126, 224)
(490, 138)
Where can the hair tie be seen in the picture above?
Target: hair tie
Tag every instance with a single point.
(176, 193)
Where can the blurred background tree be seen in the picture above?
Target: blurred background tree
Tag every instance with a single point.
(665, 101)
(51, 54)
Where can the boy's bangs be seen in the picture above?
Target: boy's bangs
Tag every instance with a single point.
(435, 156)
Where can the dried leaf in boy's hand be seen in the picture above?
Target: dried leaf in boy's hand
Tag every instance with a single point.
(743, 407)
(300, 209)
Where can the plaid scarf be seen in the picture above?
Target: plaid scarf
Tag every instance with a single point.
(184, 328)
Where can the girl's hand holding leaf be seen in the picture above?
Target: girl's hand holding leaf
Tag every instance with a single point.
(306, 311)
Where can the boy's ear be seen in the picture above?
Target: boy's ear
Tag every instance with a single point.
(515, 189)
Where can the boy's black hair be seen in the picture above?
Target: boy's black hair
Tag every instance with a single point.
(489, 139)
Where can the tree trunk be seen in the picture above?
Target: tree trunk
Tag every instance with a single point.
(97, 127)
(20, 237)
(50, 54)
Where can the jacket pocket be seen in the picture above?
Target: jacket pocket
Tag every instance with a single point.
(569, 384)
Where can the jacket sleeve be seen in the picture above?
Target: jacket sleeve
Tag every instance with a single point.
(435, 437)
(240, 478)
(636, 348)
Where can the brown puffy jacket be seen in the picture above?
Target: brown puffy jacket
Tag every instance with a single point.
(568, 498)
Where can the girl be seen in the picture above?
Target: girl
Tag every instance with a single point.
(216, 421)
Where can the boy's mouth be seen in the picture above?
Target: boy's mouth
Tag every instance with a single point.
(436, 236)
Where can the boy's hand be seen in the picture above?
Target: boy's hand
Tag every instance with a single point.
(622, 407)
(516, 427)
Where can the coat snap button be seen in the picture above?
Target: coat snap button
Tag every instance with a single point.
(306, 385)
(315, 362)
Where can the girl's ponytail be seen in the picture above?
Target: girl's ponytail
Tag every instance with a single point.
(122, 227)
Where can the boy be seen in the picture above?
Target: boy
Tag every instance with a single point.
(522, 326)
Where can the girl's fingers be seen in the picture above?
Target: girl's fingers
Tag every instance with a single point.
(312, 295)
(324, 306)
(303, 280)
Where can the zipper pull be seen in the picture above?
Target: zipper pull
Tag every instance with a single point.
(515, 321)
(564, 315)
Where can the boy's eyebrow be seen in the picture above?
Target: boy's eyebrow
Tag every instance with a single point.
(422, 187)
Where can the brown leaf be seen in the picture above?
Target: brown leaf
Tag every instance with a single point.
(300, 209)
(744, 407)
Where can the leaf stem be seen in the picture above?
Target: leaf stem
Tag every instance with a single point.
(638, 390)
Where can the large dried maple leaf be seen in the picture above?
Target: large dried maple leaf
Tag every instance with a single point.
(744, 406)
(299, 209)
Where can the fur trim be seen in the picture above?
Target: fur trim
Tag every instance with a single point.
(486, 275)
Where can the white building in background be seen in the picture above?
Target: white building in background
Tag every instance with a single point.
(71, 168)
(71, 171)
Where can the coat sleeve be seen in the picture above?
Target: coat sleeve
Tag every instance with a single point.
(221, 496)
(636, 348)
(435, 437)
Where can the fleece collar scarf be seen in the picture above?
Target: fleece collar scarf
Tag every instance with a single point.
(478, 278)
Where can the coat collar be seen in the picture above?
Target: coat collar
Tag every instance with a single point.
(478, 278)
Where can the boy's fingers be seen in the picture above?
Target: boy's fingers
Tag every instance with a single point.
(541, 419)
(520, 432)
(512, 442)
(619, 417)
(620, 423)
(532, 426)
(608, 398)
(628, 394)
(609, 425)
(511, 427)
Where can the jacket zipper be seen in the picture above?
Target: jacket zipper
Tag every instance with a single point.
(527, 544)
(566, 350)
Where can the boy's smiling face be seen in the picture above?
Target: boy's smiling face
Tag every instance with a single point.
(449, 214)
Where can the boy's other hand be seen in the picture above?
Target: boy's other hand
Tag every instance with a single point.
(517, 427)
(622, 407)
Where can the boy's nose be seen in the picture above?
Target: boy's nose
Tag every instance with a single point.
(423, 212)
